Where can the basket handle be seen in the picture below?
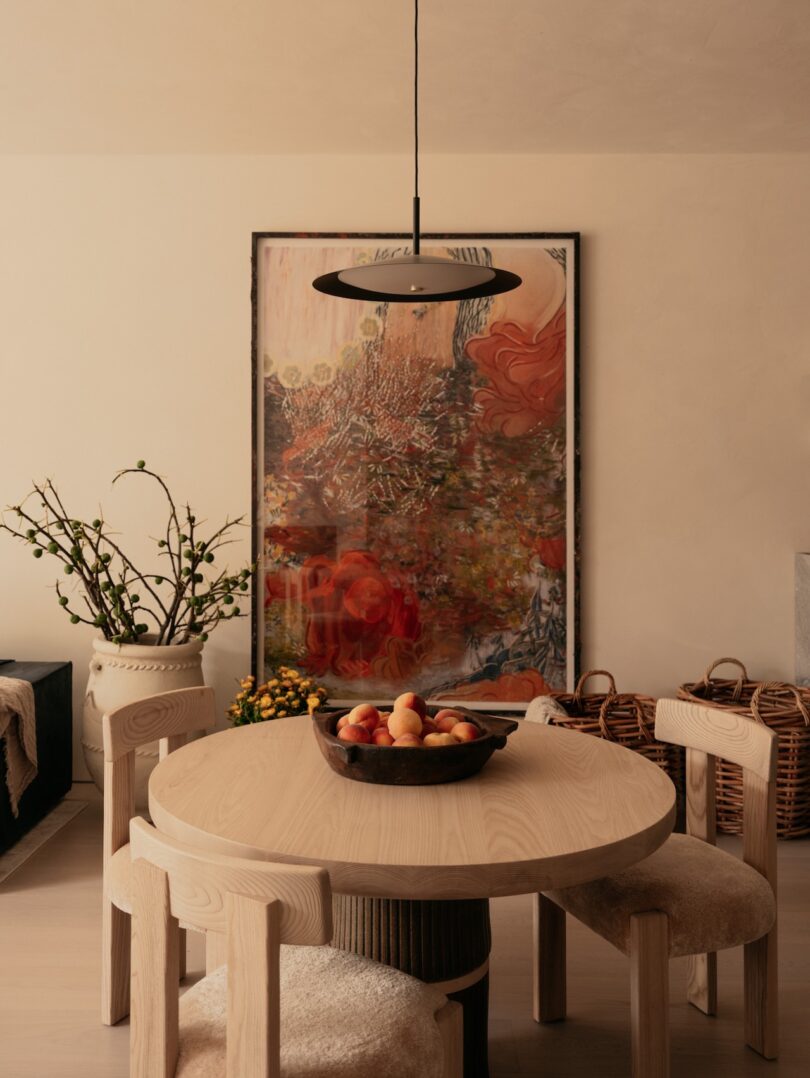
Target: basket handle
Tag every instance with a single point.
(593, 673)
(604, 711)
(743, 675)
(782, 687)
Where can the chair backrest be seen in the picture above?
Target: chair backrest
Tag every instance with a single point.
(258, 905)
(169, 718)
(707, 733)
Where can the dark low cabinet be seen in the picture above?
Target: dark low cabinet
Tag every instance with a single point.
(52, 683)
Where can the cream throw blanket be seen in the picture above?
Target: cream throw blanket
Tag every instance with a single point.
(18, 731)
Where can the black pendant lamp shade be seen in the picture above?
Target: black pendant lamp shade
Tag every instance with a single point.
(416, 277)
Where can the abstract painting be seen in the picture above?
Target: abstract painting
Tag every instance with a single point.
(415, 473)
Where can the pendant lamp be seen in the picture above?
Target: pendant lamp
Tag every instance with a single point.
(416, 277)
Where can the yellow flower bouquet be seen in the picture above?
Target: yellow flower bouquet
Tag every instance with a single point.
(288, 693)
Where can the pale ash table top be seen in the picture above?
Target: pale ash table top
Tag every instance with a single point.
(553, 808)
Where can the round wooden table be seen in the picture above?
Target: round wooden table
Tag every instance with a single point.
(413, 867)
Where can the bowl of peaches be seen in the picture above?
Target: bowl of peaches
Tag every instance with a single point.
(411, 744)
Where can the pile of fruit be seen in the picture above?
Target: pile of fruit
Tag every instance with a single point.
(407, 725)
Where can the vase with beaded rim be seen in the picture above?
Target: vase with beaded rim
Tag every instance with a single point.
(123, 673)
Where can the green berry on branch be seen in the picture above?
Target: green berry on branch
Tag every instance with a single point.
(96, 523)
(208, 556)
(68, 569)
(228, 599)
(141, 628)
(74, 619)
(141, 463)
(30, 533)
(198, 578)
(188, 553)
(158, 579)
(63, 600)
(203, 636)
(134, 598)
(53, 548)
(105, 585)
(243, 587)
(183, 538)
(38, 552)
(161, 542)
(186, 571)
(106, 559)
(100, 619)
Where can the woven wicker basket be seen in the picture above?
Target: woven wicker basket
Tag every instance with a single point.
(626, 718)
(785, 709)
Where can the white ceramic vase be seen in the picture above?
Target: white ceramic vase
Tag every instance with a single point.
(121, 674)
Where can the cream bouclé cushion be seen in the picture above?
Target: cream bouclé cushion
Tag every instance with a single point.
(545, 709)
(712, 900)
(342, 1016)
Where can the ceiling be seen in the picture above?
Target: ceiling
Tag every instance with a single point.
(334, 76)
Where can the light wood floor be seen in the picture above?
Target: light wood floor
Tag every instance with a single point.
(49, 982)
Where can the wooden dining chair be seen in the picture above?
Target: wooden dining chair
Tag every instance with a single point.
(687, 898)
(168, 717)
(284, 1003)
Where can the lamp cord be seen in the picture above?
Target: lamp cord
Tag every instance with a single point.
(416, 98)
(416, 127)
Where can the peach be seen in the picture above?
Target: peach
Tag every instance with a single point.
(412, 702)
(381, 737)
(364, 715)
(404, 721)
(353, 732)
(445, 721)
(408, 741)
(465, 731)
(447, 711)
(428, 727)
(369, 722)
(437, 740)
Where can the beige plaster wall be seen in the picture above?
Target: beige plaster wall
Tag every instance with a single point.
(125, 333)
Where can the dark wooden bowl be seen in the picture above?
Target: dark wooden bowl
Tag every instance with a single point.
(390, 766)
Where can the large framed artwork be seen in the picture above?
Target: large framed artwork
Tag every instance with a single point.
(416, 472)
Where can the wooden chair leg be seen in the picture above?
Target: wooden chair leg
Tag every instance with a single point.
(182, 956)
(549, 995)
(649, 994)
(253, 1015)
(701, 982)
(761, 1005)
(216, 951)
(450, 1020)
(153, 1039)
(115, 936)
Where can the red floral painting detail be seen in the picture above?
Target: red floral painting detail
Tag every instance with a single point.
(355, 612)
(552, 552)
(524, 685)
(526, 371)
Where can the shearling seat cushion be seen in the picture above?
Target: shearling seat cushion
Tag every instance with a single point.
(119, 879)
(713, 900)
(342, 1016)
